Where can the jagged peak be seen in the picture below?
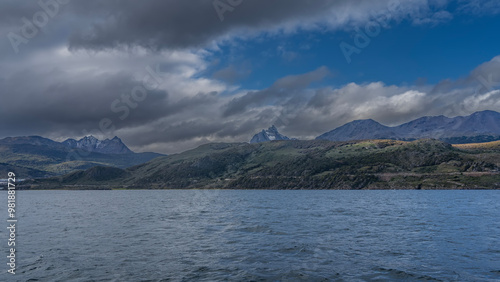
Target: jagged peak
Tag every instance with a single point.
(270, 134)
(91, 143)
(89, 137)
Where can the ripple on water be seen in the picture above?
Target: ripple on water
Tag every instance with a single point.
(258, 236)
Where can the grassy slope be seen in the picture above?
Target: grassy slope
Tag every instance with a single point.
(373, 164)
(480, 146)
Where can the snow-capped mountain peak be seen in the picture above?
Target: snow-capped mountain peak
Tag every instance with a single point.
(92, 144)
(270, 134)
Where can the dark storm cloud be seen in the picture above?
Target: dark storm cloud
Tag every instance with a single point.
(178, 24)
(75, 105)
(13, 10)
(170, 24)
(51, 91)
(173, 24)
(80, 106)
(159, 24)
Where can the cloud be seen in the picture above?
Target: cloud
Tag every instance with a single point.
(187, 110)
(487, 75)
(158, 25)
(231, 74)
(287, 55)
(479, 7)
(310, 112)
(283, 88)
(73, 93)
(95, 53)
(330, 108)
(481, 102)
(434, 19)
(174, 24)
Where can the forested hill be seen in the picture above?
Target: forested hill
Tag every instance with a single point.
(372, 164)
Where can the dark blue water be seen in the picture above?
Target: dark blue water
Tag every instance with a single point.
(256, 236)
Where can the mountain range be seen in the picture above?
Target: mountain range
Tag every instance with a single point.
(358, 158)
(479, 127)
(36, 157)
(87, 143)
(294, 164)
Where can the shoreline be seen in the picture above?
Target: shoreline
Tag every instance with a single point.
(93, 188)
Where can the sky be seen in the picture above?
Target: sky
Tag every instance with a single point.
(170, 75)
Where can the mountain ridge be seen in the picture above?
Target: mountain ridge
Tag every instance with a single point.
(87, 143)
(38, 157)
(92, 144)
(295, 164)
(478, 127)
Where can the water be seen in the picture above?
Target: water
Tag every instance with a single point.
(256, 236)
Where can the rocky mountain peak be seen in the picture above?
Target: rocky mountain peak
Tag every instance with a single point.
(92, 144)
(270, 134)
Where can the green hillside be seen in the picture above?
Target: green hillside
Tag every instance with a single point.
(374, 164)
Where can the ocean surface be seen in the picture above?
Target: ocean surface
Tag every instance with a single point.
(235, 235)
